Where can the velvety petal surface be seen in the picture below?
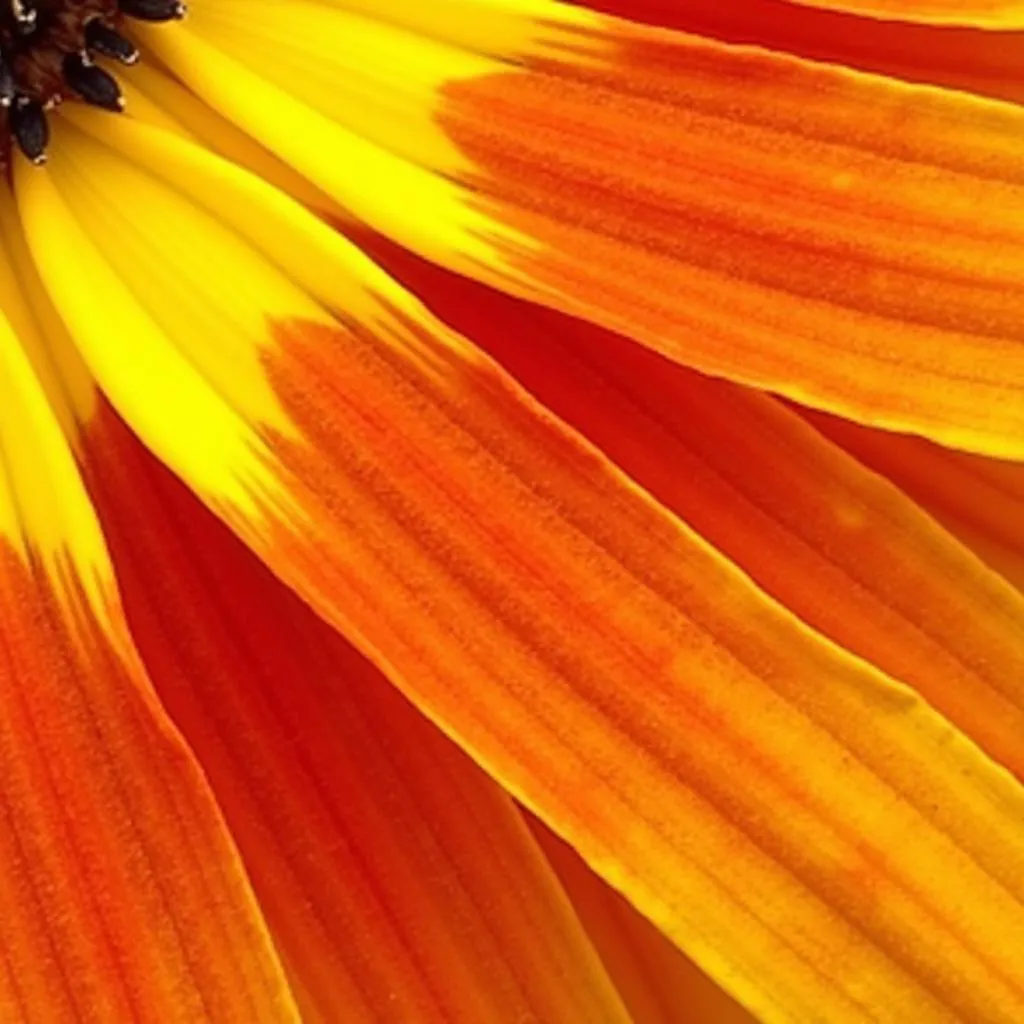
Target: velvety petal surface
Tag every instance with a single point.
(121, 893)
(980, 499)
(813, 834)
(399, 882)
(846, 551)
(851, 242)
(660, 985)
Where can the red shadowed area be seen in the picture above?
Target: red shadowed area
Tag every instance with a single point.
(399, 882)
(982, 61)
(851, 555)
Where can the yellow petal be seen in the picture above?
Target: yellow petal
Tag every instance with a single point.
(156, 98)
(850, 242)
(56, 363)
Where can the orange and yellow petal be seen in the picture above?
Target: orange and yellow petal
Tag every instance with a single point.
(838, 545)
(658, 983)
(850, 242)
(123, 895)
(812, 833)
(398, 881)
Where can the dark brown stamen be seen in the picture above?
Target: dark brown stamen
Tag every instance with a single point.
(46, 55)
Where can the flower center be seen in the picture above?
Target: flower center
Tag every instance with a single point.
(47, 51)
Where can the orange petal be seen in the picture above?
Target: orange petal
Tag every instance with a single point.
(814, 835)
(979, 499)
(776, 806)
(121, 894)
(398, 880)
(847, 552)
(853, 243)
(658, 983)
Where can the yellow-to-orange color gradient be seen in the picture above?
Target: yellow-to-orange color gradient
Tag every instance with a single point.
(512, 511)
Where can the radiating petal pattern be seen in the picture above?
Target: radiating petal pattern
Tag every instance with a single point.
(851, 242)
(399, 882)
(123, 896)
(812, 833)
(846, 551)
(156, 98)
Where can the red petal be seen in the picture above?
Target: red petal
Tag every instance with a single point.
(983, 61)
(398, 879)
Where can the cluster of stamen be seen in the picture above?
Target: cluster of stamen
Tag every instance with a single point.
(47, 53)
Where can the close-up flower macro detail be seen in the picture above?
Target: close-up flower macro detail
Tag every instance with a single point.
(512, 511)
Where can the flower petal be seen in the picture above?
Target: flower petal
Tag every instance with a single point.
(982, 61)
(1003, 14)
(846, 551)
(659, 984)
(397, 879)
(156, 98)
(853, 243)
(121, 893)
(817, 838)
(980, 499)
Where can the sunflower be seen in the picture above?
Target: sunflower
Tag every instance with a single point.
(509, 512)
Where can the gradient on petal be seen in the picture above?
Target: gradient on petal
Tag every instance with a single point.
(850, 242)
(397, 880)
(846, 551)
(778, 807)
(123, 897)
(740, 778)
(834, 238)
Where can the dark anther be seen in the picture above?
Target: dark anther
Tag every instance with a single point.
(108, 42)
(48, 53)
(92, 83)
(29, 128)
(25, 15)
(153, 10)
(7, 86)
